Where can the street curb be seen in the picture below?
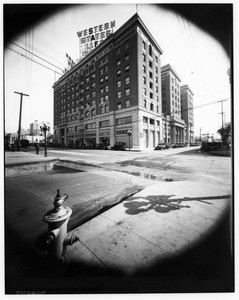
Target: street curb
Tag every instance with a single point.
(11, 165)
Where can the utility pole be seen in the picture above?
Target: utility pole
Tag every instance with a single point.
(20, 119)
(190, 126)
(200, 134)
(222, 112)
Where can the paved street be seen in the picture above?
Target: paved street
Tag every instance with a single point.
(174, 226)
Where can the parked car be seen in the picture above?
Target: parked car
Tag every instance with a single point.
(160, 146)
(119, 146)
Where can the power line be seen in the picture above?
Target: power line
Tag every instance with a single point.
(37, 56)
(34, 60)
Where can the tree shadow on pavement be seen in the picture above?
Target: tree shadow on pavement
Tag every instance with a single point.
(163, 203)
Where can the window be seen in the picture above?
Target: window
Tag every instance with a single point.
(93, 103)
(93, 85)
(144, 79)
(150, 74)
(107, 108)
(118, 50)
(102, 91)
(93, 112)
(126, 45)
(150, 64)
(151, 106)
(157, 109)
(156, 58)
(118, 72)
(101, 99)
(106, 69)
(87, 79)
(151, 121)
(157, 89)
(151, 84)
(150, 50)
(144, 57)
(101, 80)
(106, 98)
(145, 103)
(127, 80)
(156, 79)
(87, 97)
(127, 92)
(87, 114)
(106, 78)
(144, 45)
(156, 70)
(127, 103)
(119, 83)
(145, 120)
(126, 68)
(93, 76)
(144, 91)
(118, 62)
(119, 105)
(106, 88)
(119, 95)
(144, 68)
(93, 94)
(101, 109)
(151, 95)
(87, 88)
(125, 120)
(126, 57)
(101, 71)
(104, 123)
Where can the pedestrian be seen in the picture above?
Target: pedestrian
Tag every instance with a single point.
(13, 147)
(37, 147)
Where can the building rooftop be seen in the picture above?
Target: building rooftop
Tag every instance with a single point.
(186, 87)
(134, 19)
(168, 67)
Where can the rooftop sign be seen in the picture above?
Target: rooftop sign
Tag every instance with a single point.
(90, 38)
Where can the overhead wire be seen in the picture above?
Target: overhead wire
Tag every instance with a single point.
(33, 60)
(37, 56)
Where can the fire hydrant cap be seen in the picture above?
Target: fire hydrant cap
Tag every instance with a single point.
(57, 215)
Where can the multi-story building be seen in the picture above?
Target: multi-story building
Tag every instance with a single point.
(187, 111)
(174, 125)
(115, 88)
(35, 128)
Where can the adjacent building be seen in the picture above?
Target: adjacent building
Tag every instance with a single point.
(114, 89)
(173, 122)
(187, 111)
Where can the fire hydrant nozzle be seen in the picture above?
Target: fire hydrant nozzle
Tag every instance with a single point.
(59, 200)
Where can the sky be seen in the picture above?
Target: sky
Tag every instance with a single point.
(198, 59)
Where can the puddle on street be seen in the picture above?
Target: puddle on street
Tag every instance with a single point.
(42, 168)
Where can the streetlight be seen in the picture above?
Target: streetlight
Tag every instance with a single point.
(45, 129)
(129, 132)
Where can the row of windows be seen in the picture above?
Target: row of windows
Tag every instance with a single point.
(151, 106)
(150, 52)
(147, 120)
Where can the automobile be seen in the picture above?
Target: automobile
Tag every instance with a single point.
(160, 146)
(119, 146)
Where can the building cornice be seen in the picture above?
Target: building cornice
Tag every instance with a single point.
(168, 67)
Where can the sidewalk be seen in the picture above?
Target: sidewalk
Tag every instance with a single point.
(163, 220)
(19, 158)
(171, 229)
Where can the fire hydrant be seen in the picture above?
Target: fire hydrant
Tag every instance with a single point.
(56, 239)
